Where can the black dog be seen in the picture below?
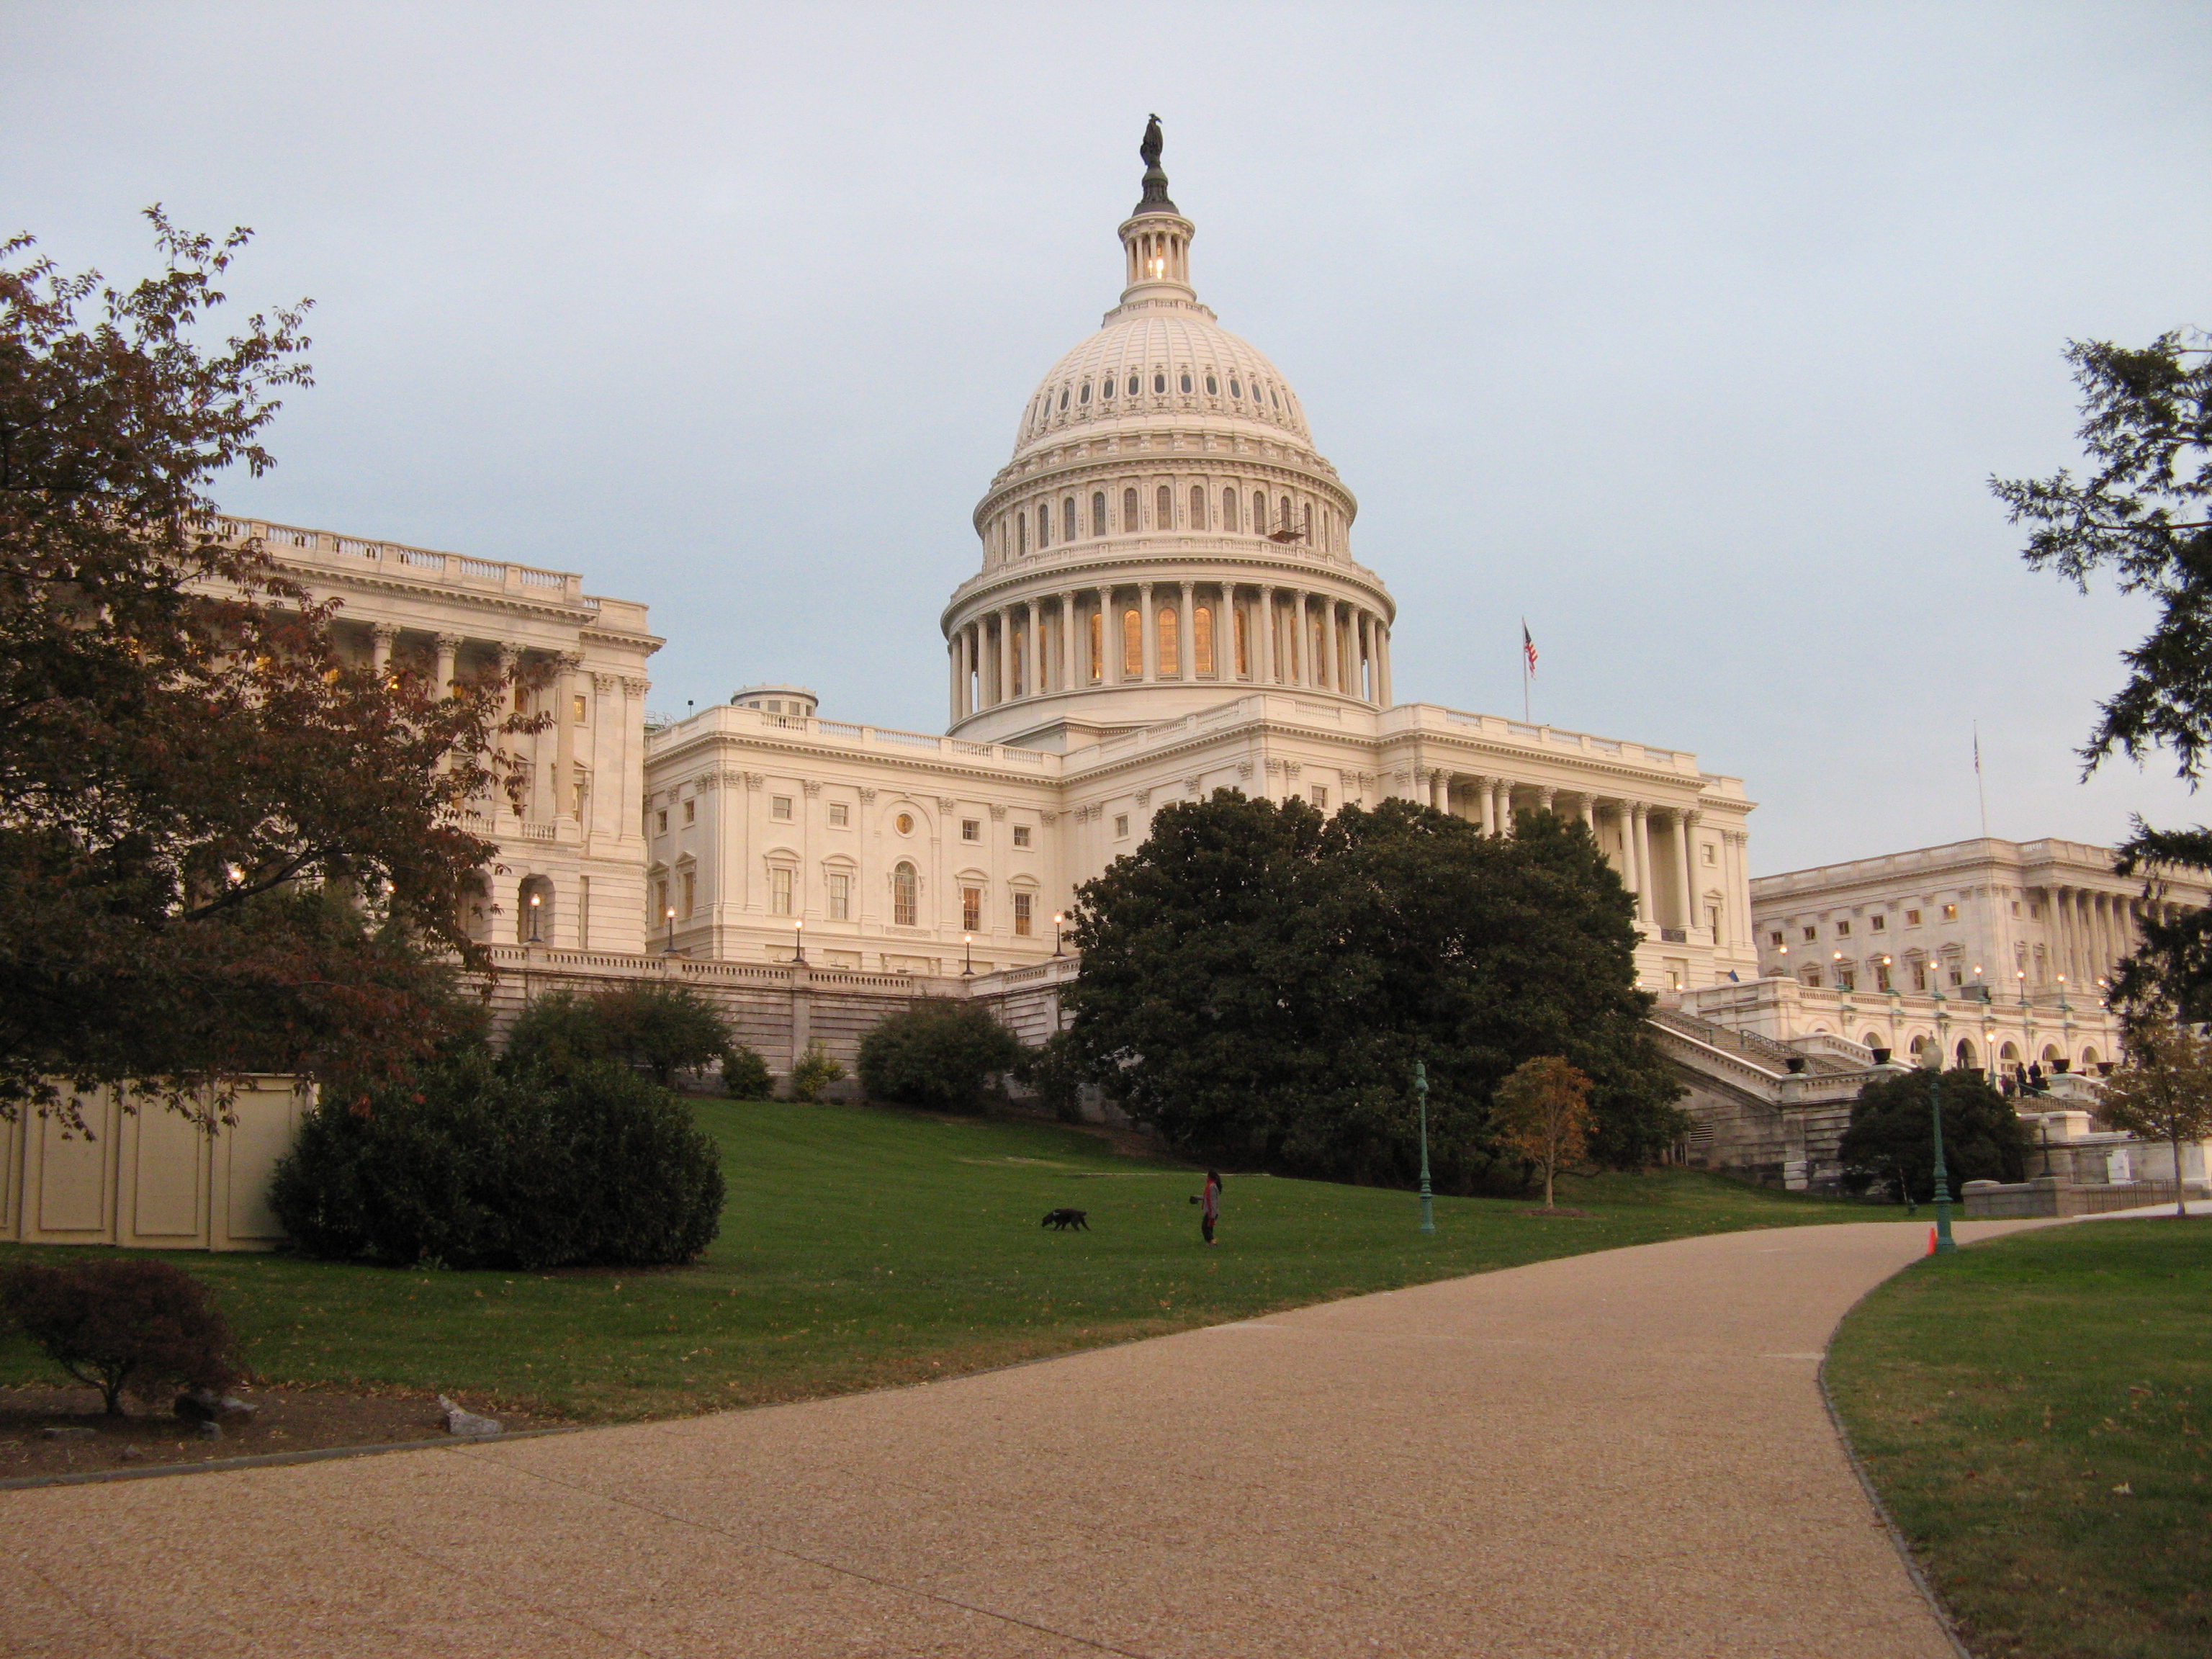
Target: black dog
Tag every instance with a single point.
(1061, 1220)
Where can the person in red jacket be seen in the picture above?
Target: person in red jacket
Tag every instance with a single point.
(1210, 1205)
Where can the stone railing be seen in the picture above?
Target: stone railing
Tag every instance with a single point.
(844, 734)
(292, 545)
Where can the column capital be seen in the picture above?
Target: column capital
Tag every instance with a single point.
(384, 632)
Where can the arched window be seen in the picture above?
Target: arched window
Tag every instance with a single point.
(1170, 648)
(1022, 531)
(1164, 508)
(1159, 384)
(1044, 526)
(905, 889)
(1067, 519)
(1106, 386)
(1135, 385)
(1229, 510)
(1063, 398)
(1128, 512)
(1133, 645)
(1235, 389)
(1197, 506)
(1097, 646)
(2089, 1056)
(1213, 386)
(1309, 535)
(1259, 513)
(1097, 511)
(1966, 1052)
(1202, 641)
(1283, 522)
(1242, 626)
(534, 921)
(1871, 1040)
(1186, 382)
(1271, 397)
(1084, 396)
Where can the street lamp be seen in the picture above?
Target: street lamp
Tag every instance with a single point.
(536, 899)
(798, 931)
(968, 966)
(1421, 1093)
(1944, 1246)
(670, 951)
(1058, 920)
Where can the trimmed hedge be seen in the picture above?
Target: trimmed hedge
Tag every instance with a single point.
(481, 1167)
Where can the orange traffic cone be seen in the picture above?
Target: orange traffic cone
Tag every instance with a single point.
(1931, 1241)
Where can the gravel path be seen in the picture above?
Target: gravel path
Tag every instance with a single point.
(1614, 1455)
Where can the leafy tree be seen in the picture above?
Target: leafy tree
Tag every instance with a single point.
(183, 746)
(123, 1325)
(1258, 980)
(2162, 1090)
(938, 1053)
(2144, 515)
(1542, 1112)
(745, 1074)
(1054, 1071)
(1892, 1137)
(558, 1034)
(664, 1029)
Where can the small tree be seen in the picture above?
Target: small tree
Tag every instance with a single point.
(1542, 1112)
(744, 1074)
(937, 1054)
(1054, 1071)
(134, 1325)
(2163, 1090)
(814, 1072)
(666, 1028)
(559, 1034)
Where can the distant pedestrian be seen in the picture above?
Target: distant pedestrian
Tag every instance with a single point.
(1210, 1205)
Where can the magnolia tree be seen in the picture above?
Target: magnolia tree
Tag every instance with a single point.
(1542, 1112)
(2162, 1091)
(225, 845)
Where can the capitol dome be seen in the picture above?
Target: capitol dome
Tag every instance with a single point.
(1165, 536)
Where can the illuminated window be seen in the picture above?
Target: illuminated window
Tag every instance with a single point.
(779, 890)
(971, 909)
(1913, 918)
(1097, 646)
(840, 897)
(1021, 834)
(583, 711)
(1133, 645)
(1021, 903)
(1950, 913)
(779, 808)
(1201, 640)
(1169, 646)
(1243, 629)
(904, 887)
(903, 823)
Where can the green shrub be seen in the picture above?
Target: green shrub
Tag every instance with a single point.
(1055, 1072)
(479, 1166)
(117, 1325)
(559, 1034)
(936, 1054)
(664, 1029)
(744, 1074)
(814, 1073)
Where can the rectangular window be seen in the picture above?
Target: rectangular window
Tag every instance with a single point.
(840, 815)
(1958, 978)
(779, 808)
(1120, 826)
(1021, 903)
(1021, 834)
(779, 890)
(1842, 930)
(1320, 796)
(971, 830)
(1950, 913)
(1878, 923)
(1812, 933)
(1774, 939)
(660, 820)
(1913, 918)
(1881, 976)
(2016, 906)
(840, 897)
(1709, 853)
(1919, 976)
(661, 911)
(1813, 980)
(690, 893)
(971, 909)
(583, 709)
(690, 812)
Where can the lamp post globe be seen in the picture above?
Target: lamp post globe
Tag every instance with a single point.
(536, 899)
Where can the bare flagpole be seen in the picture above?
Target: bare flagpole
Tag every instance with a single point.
(1981, 789)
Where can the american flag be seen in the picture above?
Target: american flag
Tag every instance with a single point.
(1527, 646)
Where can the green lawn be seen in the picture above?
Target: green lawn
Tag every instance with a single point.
(2034, 1410)
(864, 1247)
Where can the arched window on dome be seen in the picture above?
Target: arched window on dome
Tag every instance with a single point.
(1128, 512)
(1135, 385)
(1310, 533)
(1229, 510)
(1283, 522)
(1197, 506)
(906, 891)
(1236, 387)
(1022, 530)
(1063, 398)
(1259, 513)
(1098, 513)
(1160, 381)
(1240, 627)
(1133, 645)
(1271, 397)
(1097, 646)
(1171, 644)
(1067, 519)
(1186, 383)
(1164, 508)
(1213, 385)
(1201, 643)
(1044, 526)
(1106, 386)
(1084, 396)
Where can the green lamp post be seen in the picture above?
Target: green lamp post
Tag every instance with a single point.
(1421, 1091)
(1944, 1245)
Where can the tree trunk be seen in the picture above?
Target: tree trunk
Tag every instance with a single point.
(1551, 1165)
(2180, 1187)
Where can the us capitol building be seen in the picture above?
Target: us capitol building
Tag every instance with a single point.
(1166, 604)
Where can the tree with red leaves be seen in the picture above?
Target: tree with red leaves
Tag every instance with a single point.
(121, 1325)
(225, 845)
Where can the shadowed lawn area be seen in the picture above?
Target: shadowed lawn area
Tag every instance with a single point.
(865, 1247)
(2035, 1411)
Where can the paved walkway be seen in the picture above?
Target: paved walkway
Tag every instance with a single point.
(1616, 1454)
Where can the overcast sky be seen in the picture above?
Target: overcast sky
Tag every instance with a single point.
(1691, 332)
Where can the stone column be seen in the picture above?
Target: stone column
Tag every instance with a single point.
(1440, 790)
(1639, 857)
(382, 636)
(564, 741)
(1108, 646)
(952, 651)
(1148, 631)
(1302, 651)
(1382, 674)
(1590, 814)
(1685, 823)
(1267, 633)
(1005, 665)
(1485, 808)
(1545, 798)
(1067, 640)
(1360, 654)
(1186, 642)
(449, 648)
(1035, 654)
(1504, 807)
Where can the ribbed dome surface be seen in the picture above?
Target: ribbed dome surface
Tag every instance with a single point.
(1180, 364)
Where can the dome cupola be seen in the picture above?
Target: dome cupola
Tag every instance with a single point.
(1165, 536)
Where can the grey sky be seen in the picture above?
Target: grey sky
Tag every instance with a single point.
(1691, 332)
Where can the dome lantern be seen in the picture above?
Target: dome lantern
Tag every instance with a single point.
(1156, 237)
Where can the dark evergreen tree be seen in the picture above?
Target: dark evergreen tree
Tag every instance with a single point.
(1891, 1137)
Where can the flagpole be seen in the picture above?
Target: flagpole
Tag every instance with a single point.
(1526, 719)
(1981, 789)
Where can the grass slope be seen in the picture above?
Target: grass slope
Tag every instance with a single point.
(864, 1247)
(2035, 1411)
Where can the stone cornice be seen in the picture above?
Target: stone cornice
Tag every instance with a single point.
(1200, 559)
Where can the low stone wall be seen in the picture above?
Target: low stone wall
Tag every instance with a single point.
(147, 1178)
(2048, 1195)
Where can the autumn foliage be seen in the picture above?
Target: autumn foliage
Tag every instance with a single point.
(122, 1326)
(1542, 1112)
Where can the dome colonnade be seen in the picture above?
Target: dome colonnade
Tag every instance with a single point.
(1165, 531)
